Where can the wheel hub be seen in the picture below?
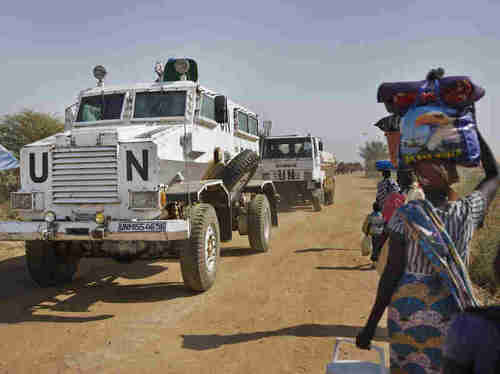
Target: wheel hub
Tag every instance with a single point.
(210, 248)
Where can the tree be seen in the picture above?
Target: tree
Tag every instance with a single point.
(372, 151)
(17, 130)
(25, 127)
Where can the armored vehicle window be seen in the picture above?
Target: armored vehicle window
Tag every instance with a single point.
(253, 127)
(208, 107)
(242, 121)
(160, 104)
(100, 107)
(287, 148)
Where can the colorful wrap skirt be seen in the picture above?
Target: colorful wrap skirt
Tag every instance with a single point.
(419, 316)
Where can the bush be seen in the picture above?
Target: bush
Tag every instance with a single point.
(487, 239)
(17, 130)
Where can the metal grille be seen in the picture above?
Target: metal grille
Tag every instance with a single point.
(85, 175)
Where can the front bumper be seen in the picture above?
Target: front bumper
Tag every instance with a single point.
(17, 231)
(299, 185)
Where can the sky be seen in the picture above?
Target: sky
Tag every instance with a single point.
(309, 66)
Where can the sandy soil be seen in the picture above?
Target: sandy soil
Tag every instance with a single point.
(275, 312)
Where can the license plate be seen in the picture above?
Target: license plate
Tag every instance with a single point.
(142, 227)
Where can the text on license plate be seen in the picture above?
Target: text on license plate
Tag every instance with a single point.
(142, 227)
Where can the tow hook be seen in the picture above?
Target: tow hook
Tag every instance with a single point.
(98, 233)
(50, 232)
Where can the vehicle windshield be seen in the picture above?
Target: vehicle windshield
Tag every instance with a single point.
(100, 107)
(160, 104)
(287, 148)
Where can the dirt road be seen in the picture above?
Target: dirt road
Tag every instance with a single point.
(276, 312)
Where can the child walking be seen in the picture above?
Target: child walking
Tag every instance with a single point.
(374, 227)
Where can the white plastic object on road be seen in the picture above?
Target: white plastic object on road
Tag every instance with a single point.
(354, 366)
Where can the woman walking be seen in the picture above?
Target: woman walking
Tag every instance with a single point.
(425, 281)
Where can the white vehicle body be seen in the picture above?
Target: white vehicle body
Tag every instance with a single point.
(105, 149)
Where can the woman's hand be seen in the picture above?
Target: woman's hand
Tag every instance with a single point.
(364, 338)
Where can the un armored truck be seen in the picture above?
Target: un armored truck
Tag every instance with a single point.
(299, 168)
(157, 170)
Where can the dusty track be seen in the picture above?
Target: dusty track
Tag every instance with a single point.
(277, 312)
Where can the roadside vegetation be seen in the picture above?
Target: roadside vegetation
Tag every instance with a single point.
(17, 130)
(371, 152)
(486, 240)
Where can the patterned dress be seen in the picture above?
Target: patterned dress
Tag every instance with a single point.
(384, 188)
(422, 305)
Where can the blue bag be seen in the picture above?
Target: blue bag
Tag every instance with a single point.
(384, 165)
(438, 132)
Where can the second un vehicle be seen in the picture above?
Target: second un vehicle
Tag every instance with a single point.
(162, 169)
(300, 169)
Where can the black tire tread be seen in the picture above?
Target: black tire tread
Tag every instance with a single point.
(256, 209)
(316, 202)
(192, 255)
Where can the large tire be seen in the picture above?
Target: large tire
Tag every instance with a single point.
(51, 263)
(239, 171)
(316, 200)
(259, 223)
(199, 254)
(329, 197)
(329, 191)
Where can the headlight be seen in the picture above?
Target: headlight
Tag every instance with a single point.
(99, 218)
(143, 200)
(163, 199)
(21, 200)
(50, 217)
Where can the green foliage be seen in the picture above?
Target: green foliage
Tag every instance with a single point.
(17, 130)
(25, 127)
(371, 152)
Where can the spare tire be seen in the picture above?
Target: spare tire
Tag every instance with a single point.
(238, 172)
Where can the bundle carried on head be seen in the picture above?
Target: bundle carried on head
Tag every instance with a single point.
(457, 92)
(436, 119)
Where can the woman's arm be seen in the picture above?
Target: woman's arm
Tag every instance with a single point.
(491, 182)
(389, 280)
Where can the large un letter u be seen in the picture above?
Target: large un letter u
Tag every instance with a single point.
(45, 168)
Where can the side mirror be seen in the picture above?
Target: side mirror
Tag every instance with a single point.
(321, 146)
(70, 116)
(220, 109)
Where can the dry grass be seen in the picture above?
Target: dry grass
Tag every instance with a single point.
(485, 242)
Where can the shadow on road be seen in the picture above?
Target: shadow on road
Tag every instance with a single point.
(97, 281)
(298, 207)
(362, 267)
(213, 341)
(324, 249)
(238, 252)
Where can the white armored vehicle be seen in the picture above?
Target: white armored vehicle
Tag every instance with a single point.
(144, 171)
(299, 168)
